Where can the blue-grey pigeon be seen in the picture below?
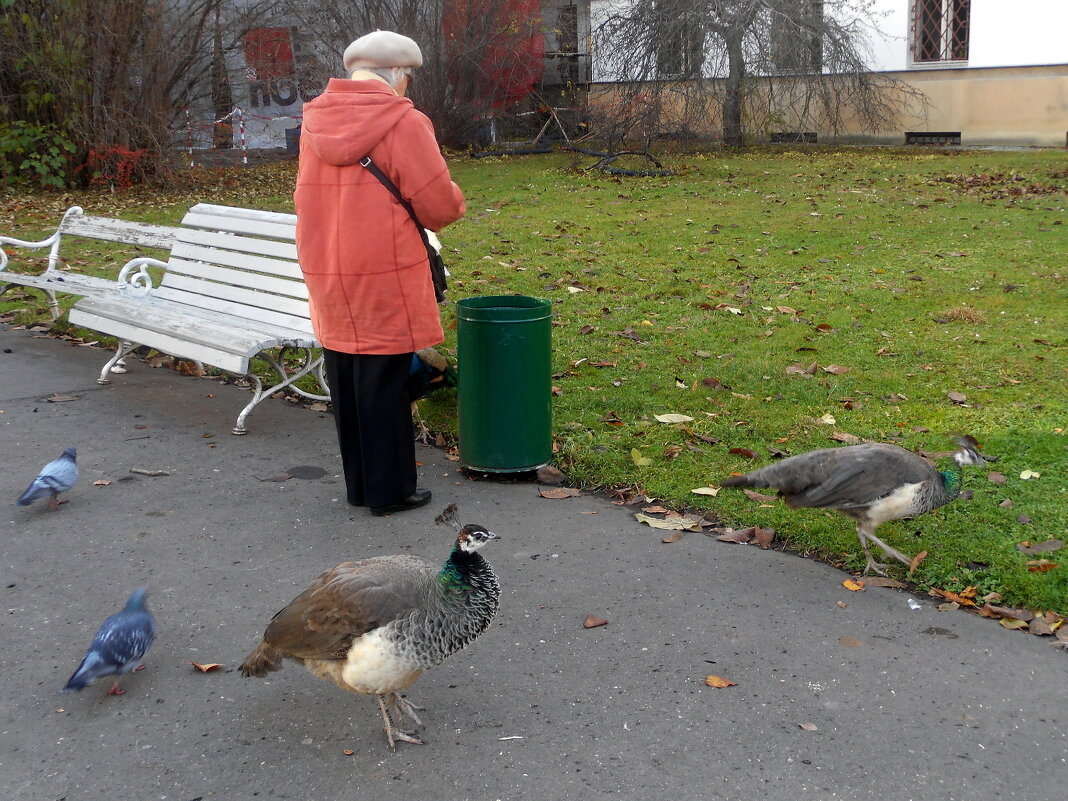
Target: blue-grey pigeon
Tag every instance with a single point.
(55, 477)
(119, 646)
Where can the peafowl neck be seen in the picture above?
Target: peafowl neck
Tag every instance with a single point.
(466, 599)
(467, 572)
(948, 489)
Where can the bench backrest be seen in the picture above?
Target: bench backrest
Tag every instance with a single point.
(238, 261)
(147, 235)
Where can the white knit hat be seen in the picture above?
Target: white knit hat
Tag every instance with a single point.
(382, 49)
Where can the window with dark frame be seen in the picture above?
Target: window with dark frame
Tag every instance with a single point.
(940, 30)
(680, 43)
(797, 40)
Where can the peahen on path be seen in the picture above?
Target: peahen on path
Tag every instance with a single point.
(872, 483)
(374, 626)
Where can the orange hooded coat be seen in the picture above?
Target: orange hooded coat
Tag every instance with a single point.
(363, 259)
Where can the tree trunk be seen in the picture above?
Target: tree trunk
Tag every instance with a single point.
(734, 93)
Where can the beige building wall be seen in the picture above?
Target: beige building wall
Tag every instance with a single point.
(993, 106)
(1020, 106)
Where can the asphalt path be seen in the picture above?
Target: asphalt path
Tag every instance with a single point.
(905, 704)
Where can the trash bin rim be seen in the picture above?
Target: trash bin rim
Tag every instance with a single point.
(503, 309)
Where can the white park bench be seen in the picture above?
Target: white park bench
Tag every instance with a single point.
(230, 291)
(76, 223)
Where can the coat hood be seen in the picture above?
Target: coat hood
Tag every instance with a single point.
(350, 118)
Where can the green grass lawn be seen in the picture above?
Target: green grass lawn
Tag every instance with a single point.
(933, 284)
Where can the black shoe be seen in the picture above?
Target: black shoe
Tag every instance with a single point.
(420, 497)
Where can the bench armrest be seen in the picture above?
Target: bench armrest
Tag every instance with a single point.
(134, 279)
(52, 241)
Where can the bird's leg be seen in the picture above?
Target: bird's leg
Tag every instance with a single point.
(393, 733)
(423, 434)
(878, 567)
(407, 709)
(115, 689)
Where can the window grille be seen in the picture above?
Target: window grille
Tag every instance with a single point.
(940, 30)
(797, 38)
(932, 137)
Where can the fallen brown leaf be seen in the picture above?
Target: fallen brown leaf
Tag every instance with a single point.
(740, 536)
(916, 560)
(962, 598)
(101, 483)
(849, 642)
(558, 493)
(675, 522)
(853, 586)
(753, 495)
(592, 622)
(657, 510)
(58, 398)
(1012, 623)
(547, 474)
(674, 536)
(807, 726)
(748, 453)
(207, 667)
(883, 581)
(1041, 565)
(764, 536)
(995, 478)
(720, 682)
(348, 752)
(1040, 628)
(1016, 614)
(849, 439)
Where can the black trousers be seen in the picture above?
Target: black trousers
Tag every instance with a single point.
(373, 414)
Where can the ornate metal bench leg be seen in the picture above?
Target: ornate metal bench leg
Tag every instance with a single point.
(257, 396)
(124, 348)
(286, 380)
(53, 304)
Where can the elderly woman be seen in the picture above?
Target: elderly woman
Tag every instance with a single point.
(364, 261)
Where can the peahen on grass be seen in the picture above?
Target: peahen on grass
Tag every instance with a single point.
(374, 626)
(872, 483)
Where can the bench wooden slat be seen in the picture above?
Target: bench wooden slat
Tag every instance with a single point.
(238, 212)
(224, 275)
(240, 225)
(240, 303)
(244, 244)
(224, 342)
(244, 261)
(61, 281)
(126, 232)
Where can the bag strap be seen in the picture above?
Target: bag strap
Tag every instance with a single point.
(392, 187)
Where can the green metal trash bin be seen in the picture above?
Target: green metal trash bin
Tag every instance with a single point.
(505, 398)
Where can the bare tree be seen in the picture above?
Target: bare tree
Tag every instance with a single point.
(750, 65)
(110, 79)
(478, 55)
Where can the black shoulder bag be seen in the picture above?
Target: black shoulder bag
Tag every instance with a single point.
(437, 264)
